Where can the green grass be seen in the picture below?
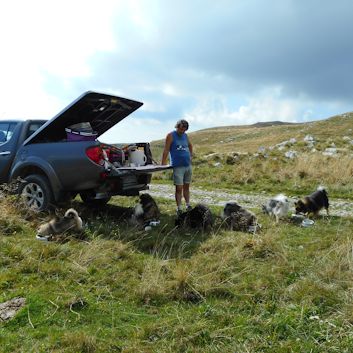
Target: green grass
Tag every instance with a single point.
(286, 289)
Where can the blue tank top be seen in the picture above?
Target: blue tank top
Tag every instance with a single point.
(179, 150)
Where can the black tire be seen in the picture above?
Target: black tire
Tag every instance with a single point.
(36, 193)
(89, 200)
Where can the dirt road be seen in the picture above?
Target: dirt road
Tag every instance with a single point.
(338, 207)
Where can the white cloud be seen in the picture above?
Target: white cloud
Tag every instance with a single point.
(41, 38)
(265, 106)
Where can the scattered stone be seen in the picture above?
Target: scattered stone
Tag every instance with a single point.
(10, 308)
(330, 151)
(217, 164)
(291, 154)
(213, 155)
(309, 138)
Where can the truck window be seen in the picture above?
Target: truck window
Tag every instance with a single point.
(6, 131)
(34, 127)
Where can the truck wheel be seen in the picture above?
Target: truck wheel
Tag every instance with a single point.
(88, 199)
(36, 193)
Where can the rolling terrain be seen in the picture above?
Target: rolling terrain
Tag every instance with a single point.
(117, 288)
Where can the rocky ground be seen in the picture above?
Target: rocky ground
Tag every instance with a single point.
(9, 309)
(338, 207)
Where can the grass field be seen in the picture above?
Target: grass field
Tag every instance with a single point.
(120, 289)
(286, 289)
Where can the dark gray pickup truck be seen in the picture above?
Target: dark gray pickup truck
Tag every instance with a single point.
(55, 161)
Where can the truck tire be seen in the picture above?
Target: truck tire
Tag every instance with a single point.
(36, 192)
(89, 200)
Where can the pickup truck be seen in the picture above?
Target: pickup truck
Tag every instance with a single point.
(52, 166)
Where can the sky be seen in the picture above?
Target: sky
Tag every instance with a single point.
(213, 63)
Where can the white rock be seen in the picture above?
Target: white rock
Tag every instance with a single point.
(291, 154)
(308, 138)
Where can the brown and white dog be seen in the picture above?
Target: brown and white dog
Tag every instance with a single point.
(145, 211)
(60, 225)
(238, 218)
(313, 203)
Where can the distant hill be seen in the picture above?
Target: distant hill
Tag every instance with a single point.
(248, 138)
(272, 123)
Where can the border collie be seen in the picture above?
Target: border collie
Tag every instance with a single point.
(145, 211)
(238, 218)
(59, 225)
(277, 207)
(199, 216)
(313, 203)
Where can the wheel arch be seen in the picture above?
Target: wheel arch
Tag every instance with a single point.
(25, 169)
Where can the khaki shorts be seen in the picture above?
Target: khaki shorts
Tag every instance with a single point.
(182, 175)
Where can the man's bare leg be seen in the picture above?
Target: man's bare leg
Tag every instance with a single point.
(186, 194)
(178, 195)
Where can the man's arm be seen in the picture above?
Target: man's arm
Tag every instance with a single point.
(190, 148)
(168, 142)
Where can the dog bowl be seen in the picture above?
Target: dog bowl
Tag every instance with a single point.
(297, 218)
(307, 222)
(38, 237)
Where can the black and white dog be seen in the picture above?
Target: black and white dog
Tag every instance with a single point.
(313, 203)
(277, 207)
(238, 218)
(145, 211)
(60, 225)
(199, 216)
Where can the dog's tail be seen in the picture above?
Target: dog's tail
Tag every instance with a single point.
(72, 213)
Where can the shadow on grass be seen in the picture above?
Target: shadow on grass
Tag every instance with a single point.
(164, 241)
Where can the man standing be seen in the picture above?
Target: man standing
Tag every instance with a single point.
(180, 148)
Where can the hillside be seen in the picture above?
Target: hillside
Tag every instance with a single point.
(293, 158)
(117, 288)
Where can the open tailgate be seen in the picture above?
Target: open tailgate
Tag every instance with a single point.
(149, 168)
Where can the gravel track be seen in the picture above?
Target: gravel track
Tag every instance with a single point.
(338, 207)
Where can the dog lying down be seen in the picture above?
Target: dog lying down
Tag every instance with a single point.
(59, 225)
(313, 203)
(238, 218)
(146, 212)
(277, 207)
(199, 216)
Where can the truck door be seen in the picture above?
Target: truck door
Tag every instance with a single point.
(7, 149)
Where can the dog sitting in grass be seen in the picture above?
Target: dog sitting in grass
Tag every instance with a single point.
(314, 203)
(238, 218)
(277, 207)
(199, 216)
(59, 225)
(145, 211)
